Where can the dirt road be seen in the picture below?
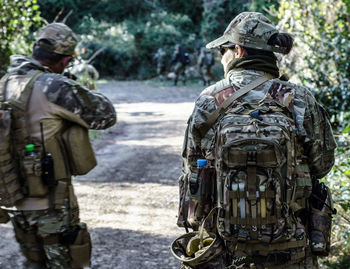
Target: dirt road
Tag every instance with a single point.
(130, 200)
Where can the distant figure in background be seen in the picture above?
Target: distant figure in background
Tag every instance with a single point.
(85, 73)
(180, 59)
(204, 63)
(161, 66)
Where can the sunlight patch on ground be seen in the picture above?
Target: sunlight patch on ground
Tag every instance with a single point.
(149, 207)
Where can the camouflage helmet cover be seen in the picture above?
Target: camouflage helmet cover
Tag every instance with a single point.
(57, 38)
(249, 29)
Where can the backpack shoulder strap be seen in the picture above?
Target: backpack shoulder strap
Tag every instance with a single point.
(222, 108)
(26, 93)
(20, 105)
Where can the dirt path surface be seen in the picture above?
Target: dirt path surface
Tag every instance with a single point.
(129, 201)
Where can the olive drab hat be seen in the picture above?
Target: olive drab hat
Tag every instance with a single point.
(57, 38)
(249, 29)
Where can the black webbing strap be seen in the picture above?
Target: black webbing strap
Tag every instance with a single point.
(222, 108)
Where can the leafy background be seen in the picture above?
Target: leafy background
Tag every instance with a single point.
(131, 32)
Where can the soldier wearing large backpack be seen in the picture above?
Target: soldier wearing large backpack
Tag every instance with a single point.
(254, 149)
(44, 122)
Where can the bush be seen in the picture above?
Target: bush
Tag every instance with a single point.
(18, 20)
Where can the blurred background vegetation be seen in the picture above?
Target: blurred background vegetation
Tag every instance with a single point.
(132, 31)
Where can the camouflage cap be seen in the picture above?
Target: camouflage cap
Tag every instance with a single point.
(249, 29)
(57, 38)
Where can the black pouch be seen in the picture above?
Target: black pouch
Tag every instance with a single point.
(320, 225)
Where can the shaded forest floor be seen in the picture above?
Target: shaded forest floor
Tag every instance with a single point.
(129, 201)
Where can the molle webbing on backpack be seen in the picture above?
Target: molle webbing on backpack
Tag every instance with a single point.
(222, 108)
(14, 136)
(255, 154)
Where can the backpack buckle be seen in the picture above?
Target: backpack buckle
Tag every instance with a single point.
(251, 158)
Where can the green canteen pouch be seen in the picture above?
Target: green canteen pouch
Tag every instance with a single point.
(80, 250)
(32, 168)
(80, 152)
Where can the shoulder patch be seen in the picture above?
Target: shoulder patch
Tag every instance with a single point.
(282, 94)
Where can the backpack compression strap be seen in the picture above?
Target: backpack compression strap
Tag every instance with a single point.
(222, 108)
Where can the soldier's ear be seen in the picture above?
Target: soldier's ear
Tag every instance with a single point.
(239, 51)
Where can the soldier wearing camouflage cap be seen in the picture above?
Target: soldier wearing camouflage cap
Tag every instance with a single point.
(60, 111)
(240, 109)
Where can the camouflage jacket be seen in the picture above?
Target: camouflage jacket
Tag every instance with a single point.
(312, 125)
(58, 103)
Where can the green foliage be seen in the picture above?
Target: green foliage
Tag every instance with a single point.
(321, 57)
(18, 19)
(339, 182)
(132, 31)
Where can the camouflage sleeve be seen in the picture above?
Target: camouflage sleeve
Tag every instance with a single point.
(319, 142)
(93, 108)
(194, 147)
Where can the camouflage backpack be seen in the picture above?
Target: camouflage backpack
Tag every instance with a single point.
(255, 161)
(12, 187)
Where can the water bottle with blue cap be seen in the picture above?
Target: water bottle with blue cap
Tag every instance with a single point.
(195, 180)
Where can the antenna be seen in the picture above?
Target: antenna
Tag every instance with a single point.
(42, 138)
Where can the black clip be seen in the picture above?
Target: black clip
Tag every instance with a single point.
(251, 157)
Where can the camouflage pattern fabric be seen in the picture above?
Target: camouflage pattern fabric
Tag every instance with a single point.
(179, 61)
(204, 63)
(179, 70)
(313, 130)
(62, 103)
(161, 63)
(249, 29)
(94, 108)
(42, 224)
(57, 38)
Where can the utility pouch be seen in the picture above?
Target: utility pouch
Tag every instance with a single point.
(201, 194)
(80, 152)
(4, 217)
(32, 168)
(183, 202)
(10, 185)
(321, 227)
(201, 184)
(80, 250)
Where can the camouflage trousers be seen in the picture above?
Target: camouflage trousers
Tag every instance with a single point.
(38, 233)
(179, 70)
(206, 74)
